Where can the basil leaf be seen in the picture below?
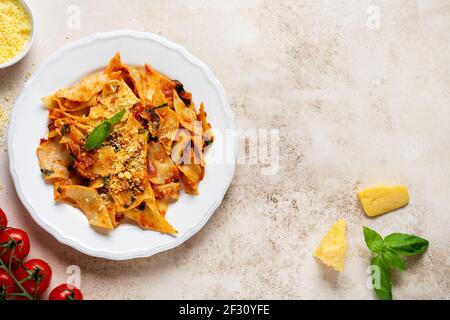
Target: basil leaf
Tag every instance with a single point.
(393, 260)
(161, 106)
(373, 240)
(106, 180)
(154, 123)
(152, 110)
(96, 137)
(406, 244)
(383, 287)
(65, 129)
(102, 131)
(116, 118)
(47, 172)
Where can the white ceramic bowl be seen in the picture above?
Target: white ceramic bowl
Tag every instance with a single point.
(29, 123)
(27, 48)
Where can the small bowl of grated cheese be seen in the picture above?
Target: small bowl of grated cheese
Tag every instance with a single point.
(17, 31)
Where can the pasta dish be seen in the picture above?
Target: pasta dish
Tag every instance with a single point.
(122, 143)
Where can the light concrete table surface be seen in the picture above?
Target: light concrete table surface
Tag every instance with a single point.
(359, 93)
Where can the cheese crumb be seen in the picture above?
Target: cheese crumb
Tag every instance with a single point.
(127, 175)
(4, 118)
(15, 29)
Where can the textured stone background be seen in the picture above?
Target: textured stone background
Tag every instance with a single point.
(354, 106)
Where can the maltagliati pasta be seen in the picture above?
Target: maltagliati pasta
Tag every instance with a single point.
(122, 143)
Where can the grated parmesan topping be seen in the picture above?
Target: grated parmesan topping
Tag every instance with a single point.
(4, 118)
(15, 29)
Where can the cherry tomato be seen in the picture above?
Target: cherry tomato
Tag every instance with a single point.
(64, 292)
(38, 274)
(7, 285)
(16, 240)
(3, 220)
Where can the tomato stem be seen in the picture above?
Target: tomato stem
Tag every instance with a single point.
(16, 294)
(18, 284)
(13, 248)
(4, 250)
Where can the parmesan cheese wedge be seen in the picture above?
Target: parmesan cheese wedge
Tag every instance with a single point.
(333, 247)
(381, 199)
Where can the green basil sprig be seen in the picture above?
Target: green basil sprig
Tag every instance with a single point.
(102, 131)
(389, 252)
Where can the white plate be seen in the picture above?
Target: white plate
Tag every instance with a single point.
(29, 123)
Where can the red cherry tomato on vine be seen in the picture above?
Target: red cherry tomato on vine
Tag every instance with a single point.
(7, 285)
(36, 275)
(3, 220)
(64, 292)
(14, 240)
